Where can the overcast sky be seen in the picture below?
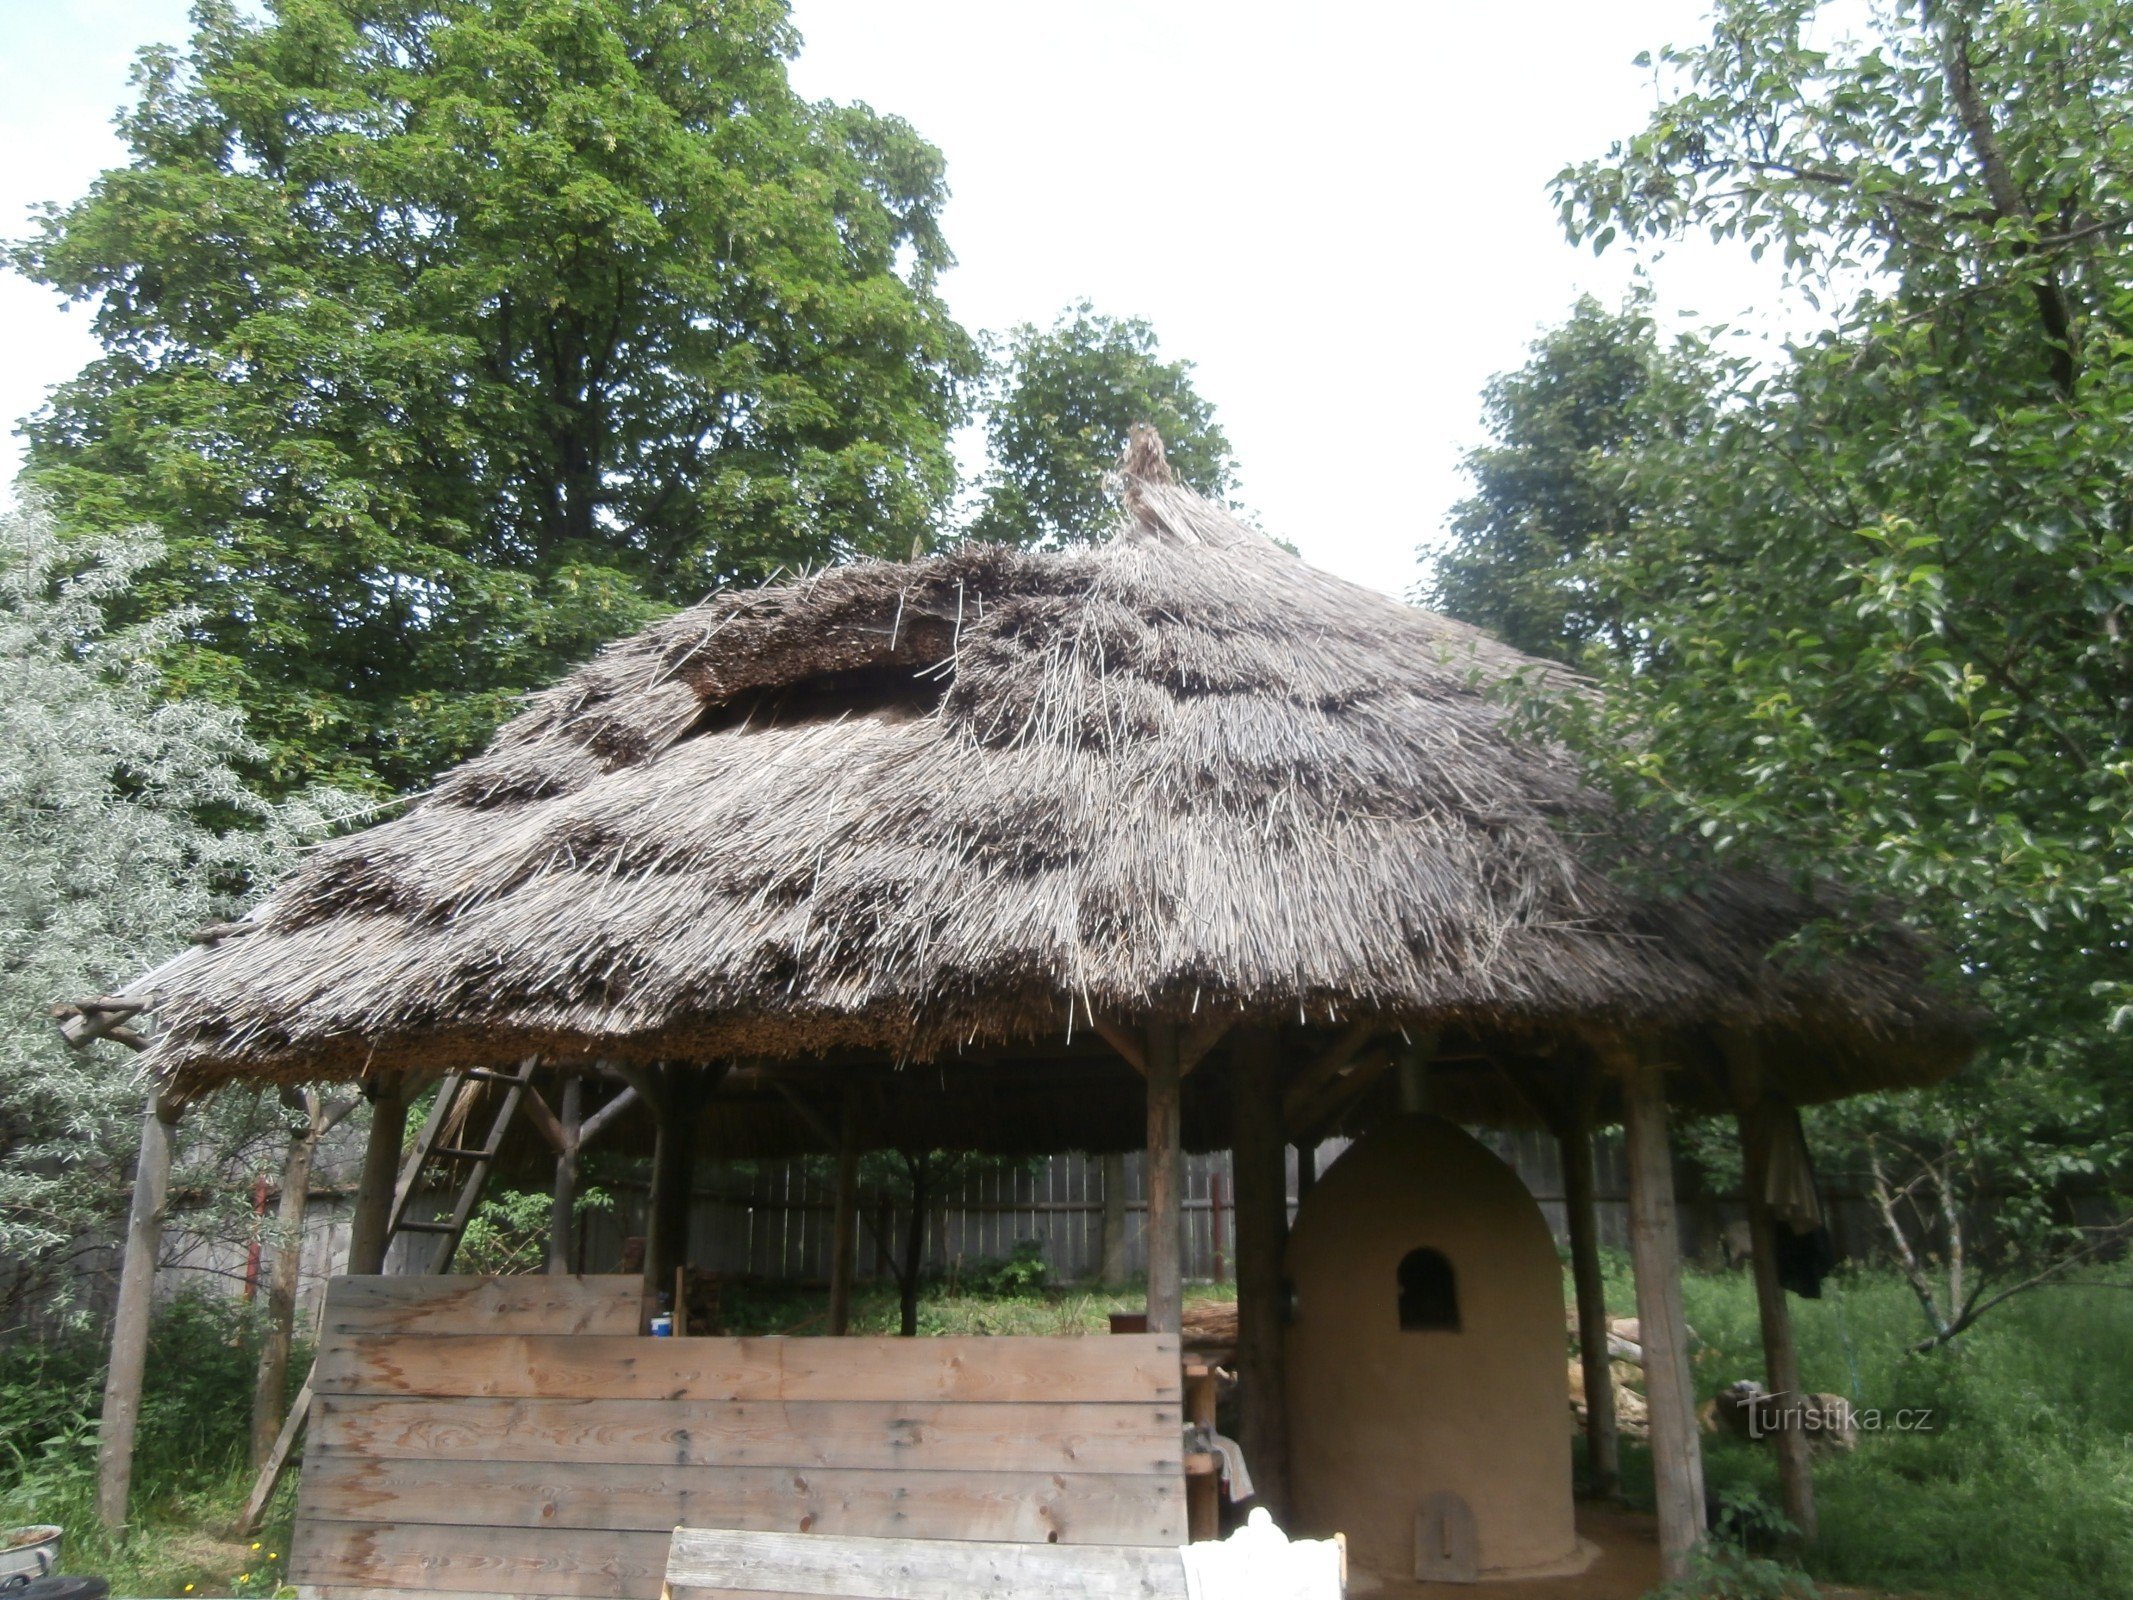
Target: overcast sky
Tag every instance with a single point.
(1338, 211)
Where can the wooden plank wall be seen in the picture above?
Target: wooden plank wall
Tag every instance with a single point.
(516, 1460)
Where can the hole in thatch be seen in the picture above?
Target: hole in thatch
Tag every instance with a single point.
(884, 693)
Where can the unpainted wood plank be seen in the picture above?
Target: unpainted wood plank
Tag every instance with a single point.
(1133, 1439)
(458, 1304)
(565, 1563)
(1101, 1370)
(712, 1561)
(1025, 1507)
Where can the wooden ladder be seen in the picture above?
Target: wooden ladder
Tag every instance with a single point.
(455, 1090)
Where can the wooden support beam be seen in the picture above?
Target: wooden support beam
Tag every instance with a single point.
(600, 1121)
(1603, 1450)
(684, 1086)
(1111, 1238)
(563, 1210)
(1327, 1065)
(1259, 1158)
(544, 1120)
(368, 1229)
(1781, 1356)
(1125, 1041)
(136, 1298)
(1316, 1114)
(1166, 1198)
(844, 1222)
(1655, 1248)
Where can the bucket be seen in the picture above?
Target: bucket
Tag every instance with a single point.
(27, 1553)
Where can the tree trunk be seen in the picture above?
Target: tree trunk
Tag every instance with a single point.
(1166, 1209)
(1655, 1246)
(1260, 1159)
(563, 1212)
(270, 1389)
(380, 1176)
(844, 1226)
(1603, 1457)
(1111, 1247)
(129, 1323)
(1781, 1357)
(914, 1243)
(679, 1110)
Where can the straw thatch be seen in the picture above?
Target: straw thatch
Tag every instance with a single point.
(939, 806)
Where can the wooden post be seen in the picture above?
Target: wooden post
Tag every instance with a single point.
(1260, 1160)
(563, 1212)
(678, 1109)
(1111, 1245)
(1781, 1357)
(1603, 1456)
(844, 1225)
(271, 1382)
(380, 1175)
(1166, 1199)
(1655, 1247)
(1306, 1170)
(136, 1299)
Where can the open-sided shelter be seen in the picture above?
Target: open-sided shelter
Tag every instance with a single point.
(1170, 838)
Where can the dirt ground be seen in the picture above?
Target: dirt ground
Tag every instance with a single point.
(1627, 1569)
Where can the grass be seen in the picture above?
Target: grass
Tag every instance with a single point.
(2021, 1488)
(190, 1478)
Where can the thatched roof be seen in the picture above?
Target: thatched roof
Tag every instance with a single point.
(924, 808)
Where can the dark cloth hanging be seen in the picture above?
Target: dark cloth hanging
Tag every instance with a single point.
(1805, 1252)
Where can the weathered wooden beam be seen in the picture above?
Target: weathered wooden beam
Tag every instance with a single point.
(684, 1088)
(1111, 1239)
(603, 1119)
(1327, 1065)
(1603, 1450)
(136, 1298)
(1125, 1041)
(369, 1227)
(542, 1116)
(844, 1221)
(1258, 1155)
(1165, 1187)
(1311, 1119)
(1781, 1355)
(1655, 1248)
(563, 1208)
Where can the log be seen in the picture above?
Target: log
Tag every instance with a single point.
(1781, 1356)
(563, 1211)
(369, 1228)
(844, 1224)
(271, 1381)
(1259, 1159)
(1603, 1453)
(1166, 1200)
(1111, 1244)
(1655, 1247)
(679, 1110)
(136, 1298)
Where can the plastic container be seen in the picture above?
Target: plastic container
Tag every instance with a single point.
(27, 1553)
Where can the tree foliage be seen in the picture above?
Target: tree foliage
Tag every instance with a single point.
(449, 339)
(1870, 615)
(1551, 493)
(1060, 402)
(128, 827)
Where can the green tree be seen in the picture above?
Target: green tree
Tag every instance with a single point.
(128, 828)
(1870, 617)
(1059, 404)
(449, 339)
(1552, 488)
